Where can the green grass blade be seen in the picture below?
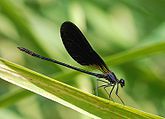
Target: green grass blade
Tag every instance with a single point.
(139, 52)
(66, 95)
(15, 96)
(20, 21)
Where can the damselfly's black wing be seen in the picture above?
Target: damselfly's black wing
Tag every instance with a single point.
(79, 48)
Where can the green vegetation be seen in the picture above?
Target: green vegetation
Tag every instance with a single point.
(129, 35)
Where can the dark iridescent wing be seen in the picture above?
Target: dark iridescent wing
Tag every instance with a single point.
(79, 48)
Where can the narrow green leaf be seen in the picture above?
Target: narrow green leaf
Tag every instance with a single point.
(82, 102)
(13, 97)
(20, 21)
(139, 52)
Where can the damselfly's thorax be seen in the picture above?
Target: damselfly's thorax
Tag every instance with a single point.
(111, 77)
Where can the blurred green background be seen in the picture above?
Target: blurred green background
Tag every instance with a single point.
(111, 27)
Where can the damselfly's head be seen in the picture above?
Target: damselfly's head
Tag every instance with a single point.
(122, 82)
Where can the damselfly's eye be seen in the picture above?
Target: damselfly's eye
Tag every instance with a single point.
(122, 82)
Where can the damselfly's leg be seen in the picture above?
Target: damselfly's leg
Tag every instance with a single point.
(111, 91)
(97, 87)
(107, 91)
(118, 95)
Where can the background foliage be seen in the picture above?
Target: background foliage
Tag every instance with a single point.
(110, 26)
